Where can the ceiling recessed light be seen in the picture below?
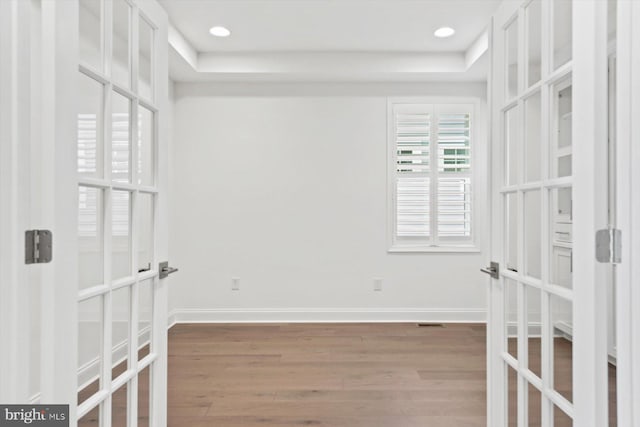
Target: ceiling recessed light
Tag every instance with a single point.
(219, 32)
(444, 32)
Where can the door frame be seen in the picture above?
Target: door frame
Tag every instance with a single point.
(628, 212)
(15, 141)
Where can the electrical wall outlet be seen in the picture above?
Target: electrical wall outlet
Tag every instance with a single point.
(235, 283)
(377, 284)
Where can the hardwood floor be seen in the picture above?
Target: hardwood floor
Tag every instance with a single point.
(339, 375)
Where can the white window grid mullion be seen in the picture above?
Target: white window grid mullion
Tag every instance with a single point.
(523, 335)
(93, 73)
(134, 40)
(510, 360)
(148, 105)
(94, 291)
(546, 336)
(123, 90)
(550, 182)
(155, 337)
(97, 183)
(105, 383)
(563, 182)
(146, 189)
(122, 186)
(85, 407)
(132, 398)
(132, 390)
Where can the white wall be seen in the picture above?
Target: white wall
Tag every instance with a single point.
(284, 187)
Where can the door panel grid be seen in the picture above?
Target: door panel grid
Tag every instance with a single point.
(119, 145)
(536, 205)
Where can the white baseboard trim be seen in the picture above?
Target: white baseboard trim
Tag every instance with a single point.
(326, 315)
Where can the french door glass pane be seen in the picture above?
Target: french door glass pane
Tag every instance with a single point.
(145, 312)
(534, 410)
(121, 234)
(146, 146)
(512, 397)
(120, 138)
(90, 237)
(145, 60)
(90, 33)
(90, 333)
(561, 219)
(119, 407)
(534, 329)
(92, 418)
(561, 148)
(121, 64)
(511, 314)
(144, 350)
(511, 222)
(561, 312)
(511, 146)
(121, 312)
(562, 31)
(532, 233)
(511, 52)
(90, 150)
(534, 41)
(532, 141)
(145, 232)
(560, 419)
(144, 401)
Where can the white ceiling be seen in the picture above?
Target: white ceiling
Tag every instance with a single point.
(293, 32)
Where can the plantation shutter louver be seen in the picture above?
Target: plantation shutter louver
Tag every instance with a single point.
(412, 165)
(454, 176)
(120, 161)
(432, 168)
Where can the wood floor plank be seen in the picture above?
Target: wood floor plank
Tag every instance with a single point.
(338, 375)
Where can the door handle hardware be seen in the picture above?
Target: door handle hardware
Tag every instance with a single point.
(493, 270)
(143, 269)
(165, 270)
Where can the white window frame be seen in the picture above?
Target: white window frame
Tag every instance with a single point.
(477, 153)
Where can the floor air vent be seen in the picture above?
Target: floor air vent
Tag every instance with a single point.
(430, 325)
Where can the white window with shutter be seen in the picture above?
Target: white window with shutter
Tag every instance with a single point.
(431, 203)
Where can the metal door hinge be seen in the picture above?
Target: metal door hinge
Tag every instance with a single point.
(609, 246)
(38, 246)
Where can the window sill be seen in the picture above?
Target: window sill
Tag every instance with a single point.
(434, 249)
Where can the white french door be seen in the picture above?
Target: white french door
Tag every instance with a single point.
(547, 352)
(87, 160)
(122, 81)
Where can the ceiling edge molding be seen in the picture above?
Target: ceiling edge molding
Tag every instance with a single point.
(325, 65)
(183, 47)
(477, 49)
